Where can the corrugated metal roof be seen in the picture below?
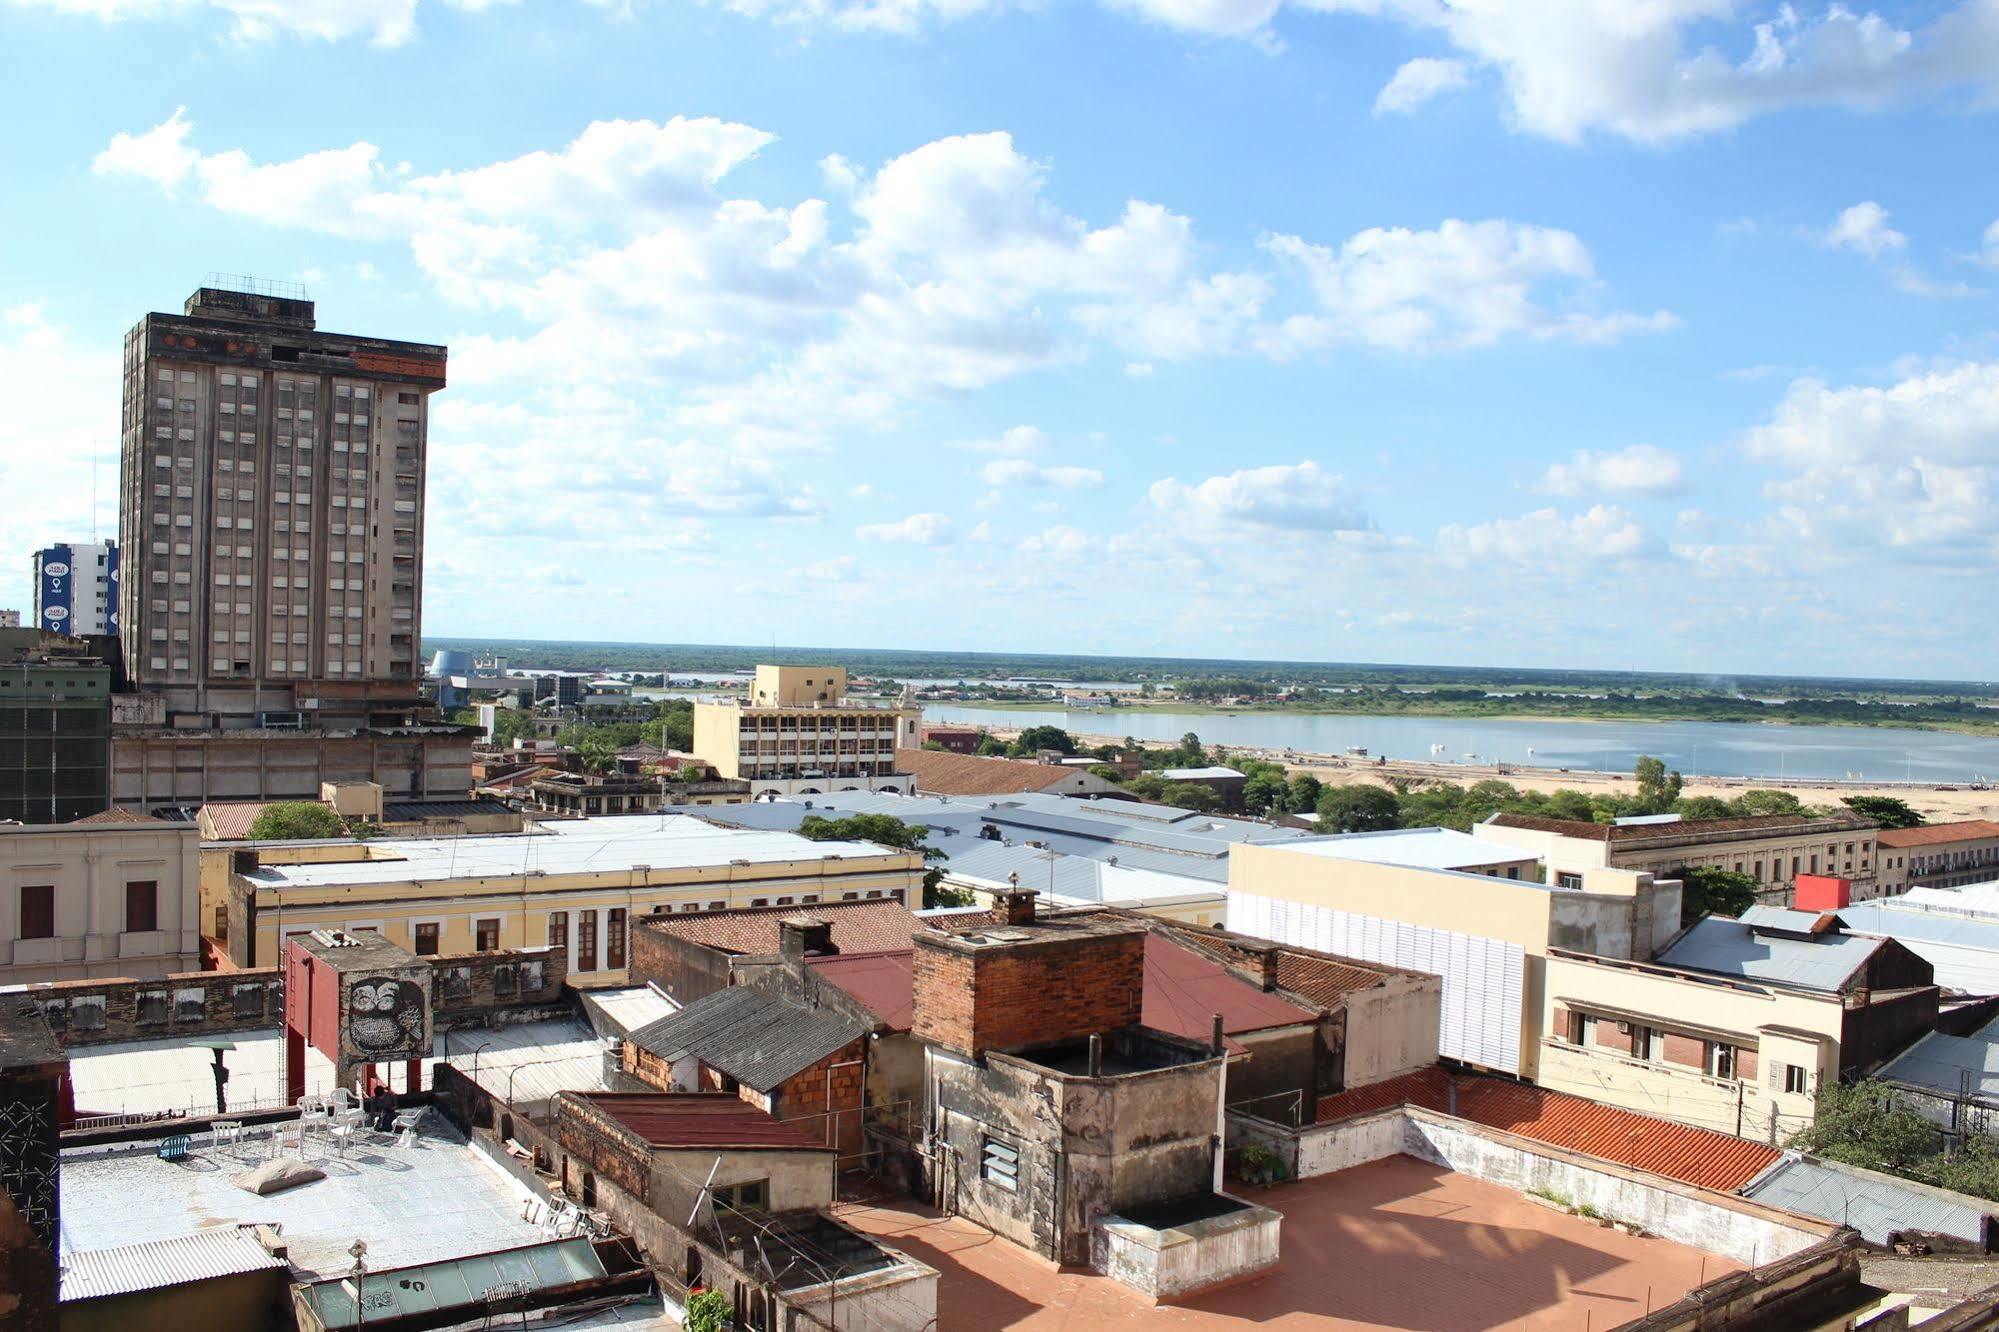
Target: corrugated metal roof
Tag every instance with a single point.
(1963, 950)
(1184, 991)
(1874, 1204)
(1423, 848)
(1696, 1156)
(858, 927)
(751, 1037)
(1938, 1062)
(156, 1264)
(1730, 948)
(702, 1119)
(628, 1009)
(456, 1283)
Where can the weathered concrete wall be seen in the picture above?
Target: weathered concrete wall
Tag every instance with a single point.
(1780, 1296)
(1172, 1264)
(1393, 1028)
(902, 1300)
(798, 1180)
(1385, 1133)
(1283, 1060)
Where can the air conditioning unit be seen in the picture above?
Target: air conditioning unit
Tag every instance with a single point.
(1624, 1029)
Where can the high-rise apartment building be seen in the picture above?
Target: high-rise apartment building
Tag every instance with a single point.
(76, 588)
(271, 512)
(271, 535)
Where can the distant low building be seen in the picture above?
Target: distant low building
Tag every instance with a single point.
(953, 739)
(948, 774)
(1224, 782)
(798, 733)
(1938, 855)
(1772, 849)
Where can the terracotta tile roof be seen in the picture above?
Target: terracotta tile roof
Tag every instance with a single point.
(1933, 834)
(940, 772)
(1773, 824)
(1184, 991)
(230, 822)
(882, 983)
(700, 1119)
(858, 927)
(118, 816)
(1696, 1156)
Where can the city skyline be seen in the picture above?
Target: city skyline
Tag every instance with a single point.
(1238, 332)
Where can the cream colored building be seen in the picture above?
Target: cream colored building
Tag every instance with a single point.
(574, 885)
(797, 733)
(1488, 936)
(1737, 1025)
(1772, 849)
(93, 899)
(1938, 855)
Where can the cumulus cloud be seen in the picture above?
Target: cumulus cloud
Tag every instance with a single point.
(1021, 472)
(384, 22)
(1420, 80)
(1641, 469)
(1863, 229)
(921, 529)
(1546, 542)
(1296, 496)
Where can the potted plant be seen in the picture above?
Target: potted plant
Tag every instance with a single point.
(707, 1311)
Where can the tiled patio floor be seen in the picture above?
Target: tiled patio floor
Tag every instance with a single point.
(1395, 1244)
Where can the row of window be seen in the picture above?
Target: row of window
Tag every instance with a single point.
(38, 908)
(1717, 1059)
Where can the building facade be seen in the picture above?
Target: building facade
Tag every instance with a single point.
(574, 886)
(1938, 855)
(798, 733)
(76, 588)
(93, 899)
(55, 728)
(1773, 849)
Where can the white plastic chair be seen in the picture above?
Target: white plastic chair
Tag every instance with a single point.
(405, 1125)
(225, 1130)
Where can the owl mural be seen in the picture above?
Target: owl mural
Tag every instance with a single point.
(385, 1016)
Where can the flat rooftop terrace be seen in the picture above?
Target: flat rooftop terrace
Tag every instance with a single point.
(436, 1199)
(1397, 1243)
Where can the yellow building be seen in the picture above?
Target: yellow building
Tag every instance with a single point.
(1488, 936)
(109, 895)
(1737, 1025)
(797, 733)
(573, 885)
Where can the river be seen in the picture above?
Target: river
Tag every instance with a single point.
(1709, 749)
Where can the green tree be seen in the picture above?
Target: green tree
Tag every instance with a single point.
(1147, 786)
(1305, 791)
(296, 820)
(1107, 772)
(991, 747)
(1037, 738)
(886, 830)
(1657, 788)
(1708, 891)
(1192, 795)
(1884, 810)
(597, 751)
(1762, 800)
(1265, 794)
(1703, 807)
(1358, 809)
(511, 724)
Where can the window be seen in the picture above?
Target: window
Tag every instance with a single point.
(426, 939)
(142, 906)
(753, 1196)
(614, 938)
(38, 911)
(1720, 1060)
(558, 930)
(1794, 1079)
(1564, 879)
(222, 925)
(488, 935)
(999, 1165)
(586, 941)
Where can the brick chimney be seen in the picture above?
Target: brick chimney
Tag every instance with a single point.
(1007, 988)
(1015, 905)
(805, 936)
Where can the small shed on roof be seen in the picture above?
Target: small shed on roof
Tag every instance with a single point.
(748, 1036)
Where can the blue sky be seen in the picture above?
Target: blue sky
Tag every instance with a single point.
(1607, 333)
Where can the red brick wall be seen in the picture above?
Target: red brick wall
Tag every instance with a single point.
(1003, 998)
(1745, 1064)
(1685, 1051)
(1608, 1037)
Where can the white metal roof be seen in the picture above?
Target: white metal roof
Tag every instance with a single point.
(1421, 848)
(1876, 1205)
(628, 1009)
(1731, 948)
(616, 844)
(228, 1250)
(1208, 773)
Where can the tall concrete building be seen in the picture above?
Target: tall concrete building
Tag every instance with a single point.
(76, 588)
(271, 528)
(798, 733)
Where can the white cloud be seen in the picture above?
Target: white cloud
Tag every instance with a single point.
(1297, 496)
(384, 22)
(1641, 469)
(62, 424)
(1015, 441)
(1545, 542)
(921, 529)
(1863, 229)
(1057, 543)
(1464, 284)
(1419, 80)
(1021, 472)
(160, 154)
(1989, 253)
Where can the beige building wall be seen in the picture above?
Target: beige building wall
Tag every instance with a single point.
(84, 871)
(1619, 913)
(547, 910)
(1651, 1039)
(1773, 861)
(797, 734)
(1938, 865)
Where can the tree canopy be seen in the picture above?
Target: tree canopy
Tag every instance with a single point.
(1869, 1124)
(1884, 810)
(887, 830)
(1707, 890)
(296, 820)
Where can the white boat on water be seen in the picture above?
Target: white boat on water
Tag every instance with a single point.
(1438, 751)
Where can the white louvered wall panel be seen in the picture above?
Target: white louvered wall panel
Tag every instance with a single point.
(1483, 977)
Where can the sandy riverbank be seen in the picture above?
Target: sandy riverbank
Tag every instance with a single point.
(1936, 804)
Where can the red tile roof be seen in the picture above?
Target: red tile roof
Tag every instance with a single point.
(1696, 1156)
(940, 772)
(230, 821)
(858, 927)
(118, 816)
(1184, 991)
(1934, 834)
(880, 982)
(702, 1120)
(1322, 979)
